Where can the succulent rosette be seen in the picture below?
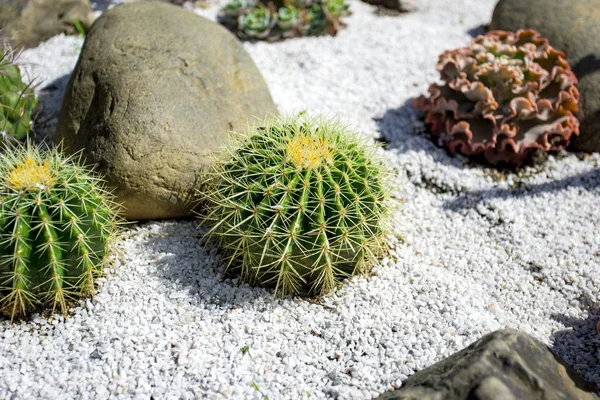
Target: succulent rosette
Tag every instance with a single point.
(505, 96)
(315, 19)
(273, 20)
(288, 18)
(336, 8)
(257, 23)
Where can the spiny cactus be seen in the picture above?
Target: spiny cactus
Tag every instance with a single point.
(505, 96)
(298, 204)
(279, 19)
(56, 223)
(17, 100)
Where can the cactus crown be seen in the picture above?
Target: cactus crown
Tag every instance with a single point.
(56, 223)
(299, 203)
(505, 96)
(17, 100)
(280, 19)
(30, 174)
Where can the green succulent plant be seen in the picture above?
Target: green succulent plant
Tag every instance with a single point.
(316, 19)
(56, 225)
(17, 100)
(299, 203)
(257, 22)
(278, 19)
(336, 7)
(288, 18)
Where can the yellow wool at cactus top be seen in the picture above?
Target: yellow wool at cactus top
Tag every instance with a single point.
(30, 174)
(308, 152)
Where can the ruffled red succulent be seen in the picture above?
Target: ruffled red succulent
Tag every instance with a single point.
(505, 96)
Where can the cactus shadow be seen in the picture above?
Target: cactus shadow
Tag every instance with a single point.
(193, 267)
(48, 110)
(586, 181)
(579, 346)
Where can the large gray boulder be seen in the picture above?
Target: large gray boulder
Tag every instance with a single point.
(572, 26)
(506, 364)
(155, 91)
(27, 23)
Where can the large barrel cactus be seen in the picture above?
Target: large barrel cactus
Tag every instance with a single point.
(504, 96)
(299, 204)
(17, 100)
(281, 19)
(56, 222)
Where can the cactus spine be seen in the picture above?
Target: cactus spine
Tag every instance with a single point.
(299, 204)
(17, 100)
(56, 222)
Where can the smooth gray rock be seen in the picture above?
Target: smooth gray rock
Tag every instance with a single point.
(27, 23)
(155, 91)
(506, 364)
(572, 26)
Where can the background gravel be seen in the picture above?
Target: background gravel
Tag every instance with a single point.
(483, 251)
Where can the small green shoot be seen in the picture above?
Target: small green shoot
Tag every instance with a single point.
(255, 386)
(79, 27)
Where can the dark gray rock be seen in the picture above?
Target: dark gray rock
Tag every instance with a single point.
(506, 364)
(572, 26)
(27, 23)
(155, 91)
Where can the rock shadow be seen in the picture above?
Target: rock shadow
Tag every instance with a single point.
(48, 110)
(587, 65)
(101, 5)
(579, 346)
(587, 181)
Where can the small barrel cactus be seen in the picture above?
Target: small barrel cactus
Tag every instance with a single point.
(299, 204)
(279, 19)
(505, 96)
(56, 222)
(17, 100)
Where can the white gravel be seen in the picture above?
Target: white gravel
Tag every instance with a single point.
(483, 251)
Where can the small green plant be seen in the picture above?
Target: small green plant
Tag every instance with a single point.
(17, 100)
(299, 204)
(56, 225)
(245, 349)
(279, 19)
(79, 27)
(255, 386)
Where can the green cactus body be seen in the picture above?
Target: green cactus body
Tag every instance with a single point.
(56, 223)
(299, 205)
(17, 101)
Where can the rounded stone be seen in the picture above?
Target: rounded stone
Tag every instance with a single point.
(574, 27)
(27, 23)
(155, 91)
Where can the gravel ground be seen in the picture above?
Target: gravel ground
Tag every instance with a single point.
(483, 250)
